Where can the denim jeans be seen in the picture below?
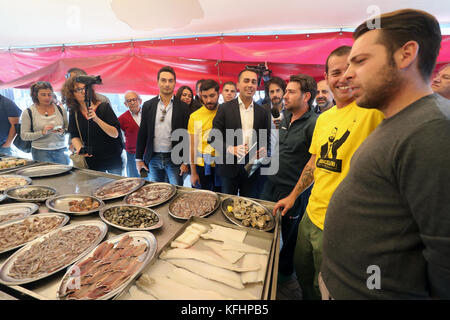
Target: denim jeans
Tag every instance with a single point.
(5, 151)
(56, 156)
(131, 166)
(161, 164)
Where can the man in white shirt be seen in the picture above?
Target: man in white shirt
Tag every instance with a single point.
(161, 116)
(245, 114)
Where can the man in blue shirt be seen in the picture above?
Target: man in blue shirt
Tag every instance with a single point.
(9, 116)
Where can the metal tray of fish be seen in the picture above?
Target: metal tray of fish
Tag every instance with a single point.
(9, 164)
(150, 202)
(34, 193)
(64, 203)
(188, 196)
(44, 170)
(133, 185)
(15, 211)
(4, 271)
(269, 225)
(158, 224)
(71, 278)
(64, 220)
(13, 180)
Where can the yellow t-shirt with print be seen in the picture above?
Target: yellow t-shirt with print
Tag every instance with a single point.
(337, 135)
(199, 125)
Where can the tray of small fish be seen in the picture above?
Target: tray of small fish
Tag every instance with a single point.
(13, 180)
(107, 269)
(16, 233)
(247, 213)
(32, 193)
(44, 170)
(118, 188)
(131, 218)
(194, 204)
(151, 195)
(75, 204)
(52, 252)
(14, 211)
(11, 164)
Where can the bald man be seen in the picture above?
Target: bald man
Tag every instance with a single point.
(324, 98)
(130, 122)
(441, 83)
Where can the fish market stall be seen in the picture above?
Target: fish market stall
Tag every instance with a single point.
(156, 233)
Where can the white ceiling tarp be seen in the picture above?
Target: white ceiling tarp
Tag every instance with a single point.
(28, 23)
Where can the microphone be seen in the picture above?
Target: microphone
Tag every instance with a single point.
(275, 112)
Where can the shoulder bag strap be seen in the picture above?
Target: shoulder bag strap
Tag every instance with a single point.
(79, 131)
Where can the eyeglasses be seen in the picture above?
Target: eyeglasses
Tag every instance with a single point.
(132, 100)
(164, 111)
(79, 90)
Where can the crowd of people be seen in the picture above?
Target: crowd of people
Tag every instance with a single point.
(357, 163)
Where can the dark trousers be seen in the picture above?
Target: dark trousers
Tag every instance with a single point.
(246, 186)
(207, 182)
(289, 222)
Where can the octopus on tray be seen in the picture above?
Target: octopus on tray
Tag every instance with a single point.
(86, 204)
(194, 204)
(108, 268)
(150, 194)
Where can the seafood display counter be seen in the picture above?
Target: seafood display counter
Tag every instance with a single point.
(87, 182)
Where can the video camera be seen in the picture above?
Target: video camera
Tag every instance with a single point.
(262, 72)
(89, 80)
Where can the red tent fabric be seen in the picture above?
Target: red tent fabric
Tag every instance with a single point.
(134, 65)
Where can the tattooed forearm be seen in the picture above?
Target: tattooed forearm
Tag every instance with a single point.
(306, 179)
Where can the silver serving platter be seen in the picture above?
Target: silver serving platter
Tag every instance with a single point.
(157, 225)
(5, 279)
(44, 170)
(5, 176)
(193, 192)
(152, 203)
(24, 209)
(15, 192)
(61, 204)
(229, 215)
(40, 215)
(139, 237)
(140, 184)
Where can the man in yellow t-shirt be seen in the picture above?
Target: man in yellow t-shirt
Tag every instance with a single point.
(337, 135)
(200, 124)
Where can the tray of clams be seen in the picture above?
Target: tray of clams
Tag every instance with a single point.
(131, 218)
(31, 193)
(247, 213)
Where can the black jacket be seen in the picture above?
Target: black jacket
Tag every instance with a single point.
(229, 117)
(180, 118)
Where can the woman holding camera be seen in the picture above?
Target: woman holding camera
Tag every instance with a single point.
(95, 132)
(46, 127)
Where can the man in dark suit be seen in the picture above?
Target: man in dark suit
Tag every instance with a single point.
(161, 116)
(250, 124)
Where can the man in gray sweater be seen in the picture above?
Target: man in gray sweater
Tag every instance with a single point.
(387, 227)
